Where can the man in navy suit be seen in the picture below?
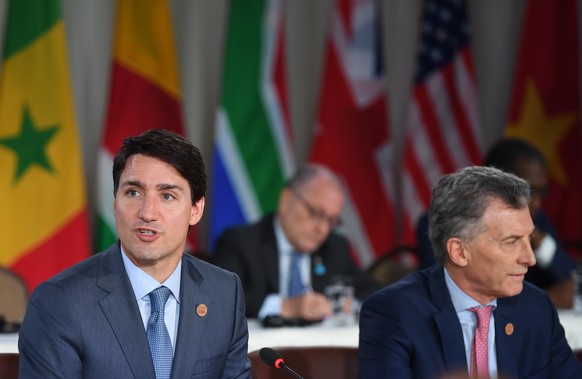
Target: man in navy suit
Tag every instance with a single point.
(424, 326)
(94, 319)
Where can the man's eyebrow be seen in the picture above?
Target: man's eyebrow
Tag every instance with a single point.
(170, 187)
(133, 183)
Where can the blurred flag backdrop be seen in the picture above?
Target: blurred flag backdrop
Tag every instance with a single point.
(144, 94)
(253, 153)
(545, 108)
(44, 226)
(442, 133)
(351, 136)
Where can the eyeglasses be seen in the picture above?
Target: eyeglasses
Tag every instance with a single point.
(318, 214)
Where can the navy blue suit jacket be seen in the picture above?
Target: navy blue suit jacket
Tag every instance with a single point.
(410, 330)
(85, 323)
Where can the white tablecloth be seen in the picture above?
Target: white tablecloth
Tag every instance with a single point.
(572, 323)
(313, 335)
(323, 335)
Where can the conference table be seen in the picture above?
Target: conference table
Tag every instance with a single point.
(326, 335)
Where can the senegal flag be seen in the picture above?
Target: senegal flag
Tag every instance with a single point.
(43, 227)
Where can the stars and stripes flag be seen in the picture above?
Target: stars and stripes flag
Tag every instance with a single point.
(351, 136)
(442, 132)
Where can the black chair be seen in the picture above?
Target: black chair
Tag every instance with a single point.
(393, 265)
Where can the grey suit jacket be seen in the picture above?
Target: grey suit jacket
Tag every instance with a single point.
(85, 322)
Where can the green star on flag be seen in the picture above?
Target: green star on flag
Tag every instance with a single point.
(30, 145)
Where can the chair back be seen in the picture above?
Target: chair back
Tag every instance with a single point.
(310, 362)
(13, 296)
(393, 265)
(9, 366)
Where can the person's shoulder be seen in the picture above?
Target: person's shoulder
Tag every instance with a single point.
(86, 268)
(532, 302)
(208, 270)
(246, 230)
(412, 288)
(532, 294)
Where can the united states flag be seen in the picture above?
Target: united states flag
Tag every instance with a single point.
(442, 133)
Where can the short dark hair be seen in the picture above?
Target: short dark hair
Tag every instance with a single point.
(507, 152)
(168, 147)
(459, 201)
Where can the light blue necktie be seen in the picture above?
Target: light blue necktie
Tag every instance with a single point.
(158, 336)
(295, 282)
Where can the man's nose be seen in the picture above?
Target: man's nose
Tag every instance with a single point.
(148, 209)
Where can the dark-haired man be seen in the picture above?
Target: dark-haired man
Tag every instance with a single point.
(142, 308)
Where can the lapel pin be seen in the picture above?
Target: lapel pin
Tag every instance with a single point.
(201, 310)
(509, 328)
(319, 268)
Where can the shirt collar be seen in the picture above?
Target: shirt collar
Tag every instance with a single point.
(143, 283)
(462, 301)
(283, 244)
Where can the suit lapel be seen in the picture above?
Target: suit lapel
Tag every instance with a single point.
(123, 314)
(269, 252)
(191, 325)
(505, 339)
(447, 321)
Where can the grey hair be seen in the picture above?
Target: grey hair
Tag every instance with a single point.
(459, 201)
(305, 173)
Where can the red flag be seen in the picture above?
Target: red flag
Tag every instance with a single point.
(545, 108)
(144, 94)
(352, 132)
(442, 133)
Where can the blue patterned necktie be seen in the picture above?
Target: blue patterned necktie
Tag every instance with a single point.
(295, 282)
(158, 336)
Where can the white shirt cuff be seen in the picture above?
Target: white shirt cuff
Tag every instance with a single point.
(271, 306)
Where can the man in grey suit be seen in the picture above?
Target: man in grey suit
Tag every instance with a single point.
(102, 319)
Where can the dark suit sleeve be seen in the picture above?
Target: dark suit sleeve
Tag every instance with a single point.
(237, 363)
(383, 351)
(49, 339)
(231, 253)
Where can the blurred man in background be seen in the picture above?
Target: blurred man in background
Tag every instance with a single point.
(286, 260)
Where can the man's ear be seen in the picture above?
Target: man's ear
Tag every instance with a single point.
(458, 254)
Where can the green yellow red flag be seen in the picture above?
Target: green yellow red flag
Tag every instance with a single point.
(43, 227)
(144, 94)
